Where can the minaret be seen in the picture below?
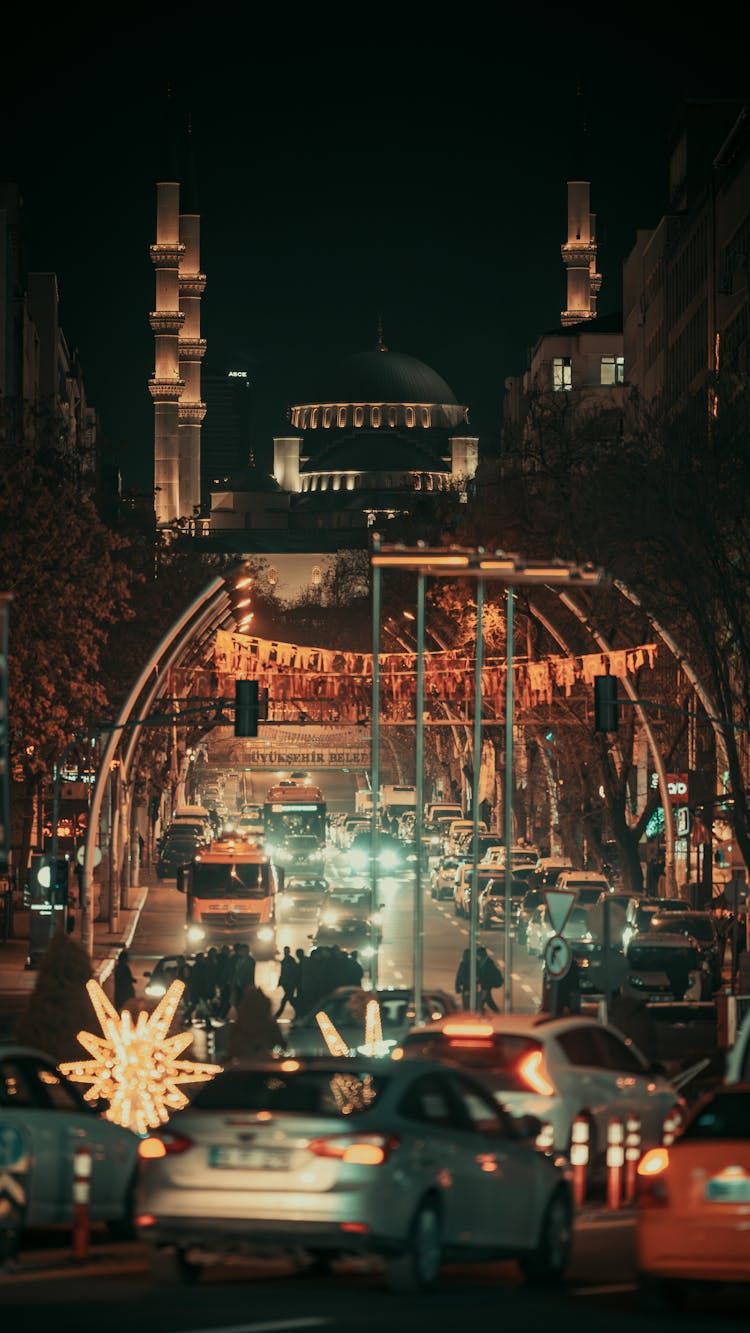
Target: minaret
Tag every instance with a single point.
(165, 386)
(579, 257)
(192, 349)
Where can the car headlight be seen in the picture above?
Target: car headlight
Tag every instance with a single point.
(330, 918)
(376, 919)
(195, 933)
(265, 933)
(155, 990)
(366, 952)
(388, 858)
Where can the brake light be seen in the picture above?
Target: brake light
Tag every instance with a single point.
(471, 1043)
(356, 1149)
(467, 1030)
(652, 1186)
(159, 1145)
(533, 1071)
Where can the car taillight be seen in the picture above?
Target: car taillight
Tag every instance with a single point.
(652, 1185)
(159, 1145)
(357, 1149)
(533, 1071)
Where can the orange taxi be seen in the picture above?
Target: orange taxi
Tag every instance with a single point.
(693, 1200)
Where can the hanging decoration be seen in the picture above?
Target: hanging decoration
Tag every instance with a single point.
(135, 1064)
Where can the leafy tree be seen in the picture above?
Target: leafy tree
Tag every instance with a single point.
(59, 1006)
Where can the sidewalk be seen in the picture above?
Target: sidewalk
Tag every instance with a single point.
(17, 981)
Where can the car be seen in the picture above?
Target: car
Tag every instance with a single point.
(701, 927)
(549, 868)
(556, 1069)
(392, 854)
(666, 967)
(639, 911)
(44, 1117)
(336, 1157)
(301, 852)
(345, 913)
(738, 1055)
(464, 878)
(693, 1198)
(345, 1008)
(460, 831)
(577, 927)
(492, 903)
(538, 930)
(587, 885)
(530, 901)
(443, 877)
(164, 972)
(176, 851)
(300, 898)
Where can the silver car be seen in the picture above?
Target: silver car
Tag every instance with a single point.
(414, 1162)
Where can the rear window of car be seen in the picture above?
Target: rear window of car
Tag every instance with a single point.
(501, 1054)
(326, 1092)
(726, 1116)
(699, 928)
(642, 958)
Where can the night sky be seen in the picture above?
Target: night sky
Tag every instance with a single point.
(423, 184)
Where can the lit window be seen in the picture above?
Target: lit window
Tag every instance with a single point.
(613, 370)
(336, 483)
(314, 417)
(359, 416)
(410, 416)
(429, 480)
(417, 482)
(391, 416)
(562, 374)
(374, 416)
(341, 418)
(324, 483)
(327, 412)
(425, 416)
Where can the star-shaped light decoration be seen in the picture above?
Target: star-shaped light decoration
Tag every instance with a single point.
(135, 1065)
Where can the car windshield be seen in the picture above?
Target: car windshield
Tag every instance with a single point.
(578, 917)
(305, 886)
(231, 880)
(360, 897)
(649, 958)
(726, 1116)
(322, 1092)
(501, 1054)
(699, 927)
(586, 893)
(301, 842)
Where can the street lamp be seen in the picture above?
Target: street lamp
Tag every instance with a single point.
(482, 565)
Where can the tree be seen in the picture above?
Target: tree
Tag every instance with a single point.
(59, 1006)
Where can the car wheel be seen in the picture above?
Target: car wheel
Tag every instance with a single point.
(417, 1268)
(549, 1261)
(172, 1267)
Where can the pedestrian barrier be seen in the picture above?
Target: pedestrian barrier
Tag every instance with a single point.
(81, 1198)
(615, 1162)
(632, 1155)
(579, 1157)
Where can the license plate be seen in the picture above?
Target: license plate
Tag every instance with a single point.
(249, 1159)
(730, 1190)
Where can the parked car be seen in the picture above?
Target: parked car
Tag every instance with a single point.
(549, 868)
(176, 850)
(738, 1055)
(667, 967)
(639, 911)
(701, 927)
(553, 1068)
(457, 831)
(337, 1157)
(586, 884)
(45, 1118)
(693, 1199)
(492, 903)
(443, 877)
(530, 901)
(538, 930)
(464, 878)
(344, 1007)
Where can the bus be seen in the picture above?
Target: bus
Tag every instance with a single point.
(230, 890)
(293, 810)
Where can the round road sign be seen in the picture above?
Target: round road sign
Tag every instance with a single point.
(557, 957)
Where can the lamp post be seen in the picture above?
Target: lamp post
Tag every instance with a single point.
(482, 565)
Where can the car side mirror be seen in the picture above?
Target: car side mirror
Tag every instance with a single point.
(527, 1126)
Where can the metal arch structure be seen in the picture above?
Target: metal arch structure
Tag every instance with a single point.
(210, 606)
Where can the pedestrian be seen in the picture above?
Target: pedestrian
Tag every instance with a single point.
(244, 967)
(463, 978)
(355, 970)
(197, 987)
(225, 978)
(124, 981)
(255, 1033)
(301, 999)
(288, 976)
(489, 975)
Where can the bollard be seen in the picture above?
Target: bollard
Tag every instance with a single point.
(579, 1157)
(545, 1139)
(632, 1155)
(81, 1195)
(615, 1161)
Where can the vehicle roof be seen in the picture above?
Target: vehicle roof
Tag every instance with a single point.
(589, 876)
(532, 1024)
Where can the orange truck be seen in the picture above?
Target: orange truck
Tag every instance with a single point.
(230, 892)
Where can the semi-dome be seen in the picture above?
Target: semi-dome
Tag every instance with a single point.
(381, 376)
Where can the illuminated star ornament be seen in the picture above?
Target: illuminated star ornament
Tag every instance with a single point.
(373, 1044)
(135, 1065)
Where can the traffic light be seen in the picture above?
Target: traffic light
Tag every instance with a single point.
(606, 708)
(246, 708)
